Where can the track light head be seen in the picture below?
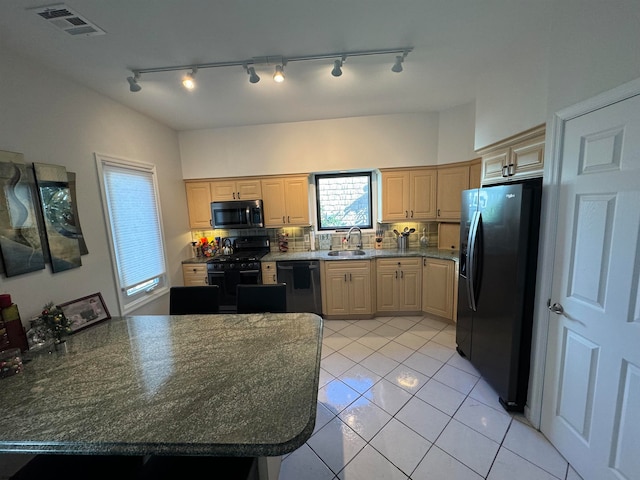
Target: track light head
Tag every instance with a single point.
(397, 67)
(133, 83)
(337, 68)
(189, 80)
(253, 76)
(278, 76)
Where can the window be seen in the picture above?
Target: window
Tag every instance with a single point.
(343, 200)
(132, 213)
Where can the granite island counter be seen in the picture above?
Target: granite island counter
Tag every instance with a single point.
(197, 385)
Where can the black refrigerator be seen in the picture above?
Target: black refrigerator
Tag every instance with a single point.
(499, 231)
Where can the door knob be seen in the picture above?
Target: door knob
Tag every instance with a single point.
(556, 308)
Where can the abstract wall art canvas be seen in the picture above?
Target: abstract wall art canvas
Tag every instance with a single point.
(58, 215)
(20, 238)
(71, 176)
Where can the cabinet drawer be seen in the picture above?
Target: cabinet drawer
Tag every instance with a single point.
(347, 265)
(194, 274)
(402, 262)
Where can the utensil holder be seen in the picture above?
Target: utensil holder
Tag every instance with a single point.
(402, 242)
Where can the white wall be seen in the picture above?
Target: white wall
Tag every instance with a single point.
(595, 48)
(50, 119)
(323, 145)
(590, 46)
(456, 130)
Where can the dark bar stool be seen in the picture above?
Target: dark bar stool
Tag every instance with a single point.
(261, 298)
(194, 299)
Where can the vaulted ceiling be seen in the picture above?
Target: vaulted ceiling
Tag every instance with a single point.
(454, 42)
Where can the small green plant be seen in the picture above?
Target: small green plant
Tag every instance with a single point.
(54, 321)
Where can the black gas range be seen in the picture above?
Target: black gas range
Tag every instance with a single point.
(242, 266)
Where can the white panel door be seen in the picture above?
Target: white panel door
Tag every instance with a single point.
(591, 400)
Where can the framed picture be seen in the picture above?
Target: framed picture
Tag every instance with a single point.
(85, 311)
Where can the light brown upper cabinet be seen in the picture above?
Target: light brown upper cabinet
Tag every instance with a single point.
(198, 204)
(451, 182)
(517, 157)
(475, 173)
(286, 201)
(229, 189)
(409, 194)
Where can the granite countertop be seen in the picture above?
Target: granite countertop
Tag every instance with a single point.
(370, 253)
(170, 385)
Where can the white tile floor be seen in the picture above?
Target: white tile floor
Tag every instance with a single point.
(396, 401)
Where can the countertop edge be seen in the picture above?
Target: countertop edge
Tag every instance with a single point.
(370, 254)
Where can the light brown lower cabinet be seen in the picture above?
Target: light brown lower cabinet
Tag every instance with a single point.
(399, 284)
(194, 274)
(269, 273)
(439, 293)
(346, 288)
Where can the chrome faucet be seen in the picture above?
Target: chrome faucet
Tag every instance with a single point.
(359, 244)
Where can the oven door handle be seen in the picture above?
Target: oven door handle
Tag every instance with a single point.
(244, 272)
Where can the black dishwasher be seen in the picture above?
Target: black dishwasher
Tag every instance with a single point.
(303, 285)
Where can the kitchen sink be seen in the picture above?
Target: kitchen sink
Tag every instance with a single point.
(346, 253)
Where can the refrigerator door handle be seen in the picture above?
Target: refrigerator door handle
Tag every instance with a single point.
(471, 260)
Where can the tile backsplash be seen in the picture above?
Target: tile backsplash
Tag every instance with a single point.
(299, 238)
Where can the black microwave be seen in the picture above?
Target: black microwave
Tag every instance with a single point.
(237, 214)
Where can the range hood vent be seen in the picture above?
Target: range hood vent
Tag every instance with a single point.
(67, 20)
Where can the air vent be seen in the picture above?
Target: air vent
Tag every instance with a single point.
(67, 20)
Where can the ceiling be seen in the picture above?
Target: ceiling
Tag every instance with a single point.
(454, 42)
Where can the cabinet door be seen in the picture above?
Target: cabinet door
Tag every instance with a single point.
(296, 193)
(411, 289)
(492, 165)
(199, 204)
(438, 287)
(248, 189)
(395, 196)
(527, 158)
(359, 287)
(269, 273)
(223, 190)
(273, 202)
(387, 290)
(337, 294)
(475, 174)
(423, 184)
(451, 182)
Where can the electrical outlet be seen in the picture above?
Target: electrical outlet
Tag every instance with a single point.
(306, 237)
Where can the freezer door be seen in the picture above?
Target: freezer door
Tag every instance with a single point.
(464, 321)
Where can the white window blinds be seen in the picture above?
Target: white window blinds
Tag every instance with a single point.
(133, 216)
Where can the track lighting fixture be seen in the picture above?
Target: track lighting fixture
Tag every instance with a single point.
(397, 67)
(278, 76)
(133, 83)
(253, 76)
(189, 80)
(337, 68)
(250, 65)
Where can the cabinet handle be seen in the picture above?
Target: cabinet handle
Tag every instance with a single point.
(396, 273)
(283, 220)
(401, 273)
(288, 219)
(350, 277)
(345, 277)
(411, 213)
(406, 214)
(233, 195)
(438, 212)
(424, 262)
(511, 170)
(274, 277)
(238, 195)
